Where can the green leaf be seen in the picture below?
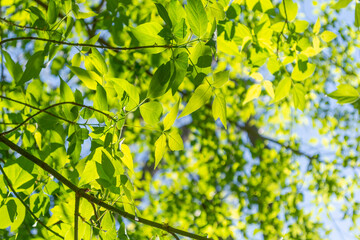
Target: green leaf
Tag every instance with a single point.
(33, 67)
(217, 10)
(301, 26)
(20, 178)
(219, 108)
(269, 88)
(91, 41)
(160, 81)
(201, 96)
(196, 16)
(282, 89)
(12, 214)
(76, 60)
(327, 36)
(176, 12)
(52, 12)
(148, 34)
(69, 26)
(302, 71)
(107, 166)
(291, 9)
(341, 4)
(357, 15)
(151, 112)
(100, 102)
(201, 56)
(298, 93)
(131, 91)
(171, 117)
(180, 30)
(14, 69)
(345, 93)
(89, 78)
(220, 78)
(163, 14)
(89, 174)
(127, 158)
(252, 93)
(66, 95)
(98, 61)
(160, 148)
(317, 26)
(175, 141)
(180, 69)
(5, 220)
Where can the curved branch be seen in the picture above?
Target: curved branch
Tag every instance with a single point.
(88, 45)
(24, 26)
(7, 180)
(83, 193)
(55, 105)
(28, 105)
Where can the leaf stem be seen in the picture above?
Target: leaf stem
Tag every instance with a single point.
(76, 215)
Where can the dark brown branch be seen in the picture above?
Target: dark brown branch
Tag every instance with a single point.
(7, 180)
(83, 193)
(89, 45)
(254, 135)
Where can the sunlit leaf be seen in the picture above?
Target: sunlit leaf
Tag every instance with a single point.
(196, 16)
(345, 93)
(160, 149)
(201, 96)
(252, 93)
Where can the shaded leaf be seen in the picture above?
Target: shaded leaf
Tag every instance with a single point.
(33, 67)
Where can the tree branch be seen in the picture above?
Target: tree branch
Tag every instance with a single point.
(24, 26)
(25, 205)
(55, 105)
(28, 105)
(83, 193)
(253, 134)
(89, 45)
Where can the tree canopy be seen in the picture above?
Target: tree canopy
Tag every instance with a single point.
(142, 119)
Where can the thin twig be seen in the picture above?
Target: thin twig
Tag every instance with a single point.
(90, 45)
(25, 205)
(83, 193)
(24, 26)
(55, 105)
(31, 106)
